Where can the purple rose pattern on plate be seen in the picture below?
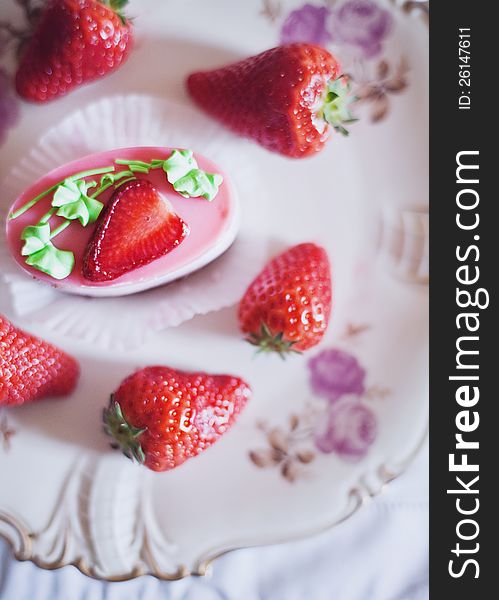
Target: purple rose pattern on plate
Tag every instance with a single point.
(350, 429)
(307, 24)
(334, 373)
(338, 420)
(362, 24)
(355, 31)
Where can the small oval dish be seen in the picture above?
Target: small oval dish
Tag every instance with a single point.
(147, 215)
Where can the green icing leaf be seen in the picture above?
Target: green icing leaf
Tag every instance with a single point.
(66, 193)
(56, 263)
(198, 183)
(75, 210)
(179, 163)
(94, 208)
(74, 203)
(35, 238)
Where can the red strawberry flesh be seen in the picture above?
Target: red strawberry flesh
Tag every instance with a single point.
(75, 41)
(32, 369)
(135, 227)
(272, 97)
(161, 416)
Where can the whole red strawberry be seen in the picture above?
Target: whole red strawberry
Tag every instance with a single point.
(286, 98)
(74, 42)
(135, 227)
(160, 417)
(31, 369)
(287, 307)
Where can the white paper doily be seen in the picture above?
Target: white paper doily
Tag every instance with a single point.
(115, 122)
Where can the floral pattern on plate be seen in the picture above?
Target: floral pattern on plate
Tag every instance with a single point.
(337, 420)
(356, 31)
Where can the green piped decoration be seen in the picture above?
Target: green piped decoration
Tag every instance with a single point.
(73, 201)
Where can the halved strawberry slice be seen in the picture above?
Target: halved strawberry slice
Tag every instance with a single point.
(136, 226)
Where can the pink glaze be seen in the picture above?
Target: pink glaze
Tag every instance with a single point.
(208, 221)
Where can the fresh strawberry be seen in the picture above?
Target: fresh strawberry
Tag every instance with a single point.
(31, 369)
(287, 307)
(160, 417)
(74, 42)
(135, 227)
(285, 98)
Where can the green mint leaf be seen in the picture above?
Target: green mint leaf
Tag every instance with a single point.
(52, 261)
(198, 183)
(35, 238)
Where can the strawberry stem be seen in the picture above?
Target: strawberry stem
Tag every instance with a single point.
(335, 109)
(117, 6)
(125, 436)
(266, 341)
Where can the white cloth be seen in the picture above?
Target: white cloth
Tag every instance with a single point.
(381, 553)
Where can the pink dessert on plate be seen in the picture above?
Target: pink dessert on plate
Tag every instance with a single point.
(123, 221)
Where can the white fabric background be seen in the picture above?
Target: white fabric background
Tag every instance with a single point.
(381, 553)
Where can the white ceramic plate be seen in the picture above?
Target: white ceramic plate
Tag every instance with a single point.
(279, 473)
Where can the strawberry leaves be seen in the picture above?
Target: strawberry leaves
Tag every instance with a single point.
(336, 107)
(124, 435)
(117, 6)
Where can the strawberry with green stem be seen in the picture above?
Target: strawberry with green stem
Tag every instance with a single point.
(161, 417)
(286, 308)
(287, 99)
